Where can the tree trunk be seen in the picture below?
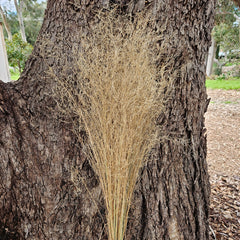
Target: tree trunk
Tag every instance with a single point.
(4, 68)
(38, 150)
(6, 25)
(19, 8)
(211, 56)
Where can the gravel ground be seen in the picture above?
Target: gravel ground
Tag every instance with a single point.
(223, 131)
(223, 134)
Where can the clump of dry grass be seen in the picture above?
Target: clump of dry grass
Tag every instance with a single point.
(116, 97)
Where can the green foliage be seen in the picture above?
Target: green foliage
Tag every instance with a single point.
(232, 83)
(18, 52)
(13, 22)
(231, 64)
(14, 74)
(225, 11)
(226, 30)
(33, 13)
(218, 71)
(230, 102)
(33, 17)
(227, 36)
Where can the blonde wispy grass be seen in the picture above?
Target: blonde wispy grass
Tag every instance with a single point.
(116, 99)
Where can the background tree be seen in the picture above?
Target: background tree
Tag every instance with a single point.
(38, 149)
(19, 8)
(18, 52)
(226, 30)
(13, 22)
(225, 35)
(32, 14)
(33, 18)
(6, 25)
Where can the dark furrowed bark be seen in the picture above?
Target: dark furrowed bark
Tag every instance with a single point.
(38, 150)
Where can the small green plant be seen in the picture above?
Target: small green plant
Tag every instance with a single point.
(227, 102)
(230, 102)
(14, 74)
(218, 70)
(18, 52)
(116, 100)
(232, 63)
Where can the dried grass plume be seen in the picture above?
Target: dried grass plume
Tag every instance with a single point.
(115, 97)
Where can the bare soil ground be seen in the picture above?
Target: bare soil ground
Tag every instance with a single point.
(223, 132)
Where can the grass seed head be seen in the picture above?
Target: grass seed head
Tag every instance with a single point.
(116, 99)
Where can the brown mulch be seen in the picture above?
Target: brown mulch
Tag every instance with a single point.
(223, 128)
(225, 208)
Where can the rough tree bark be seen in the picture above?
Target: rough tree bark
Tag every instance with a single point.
(38, 150)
